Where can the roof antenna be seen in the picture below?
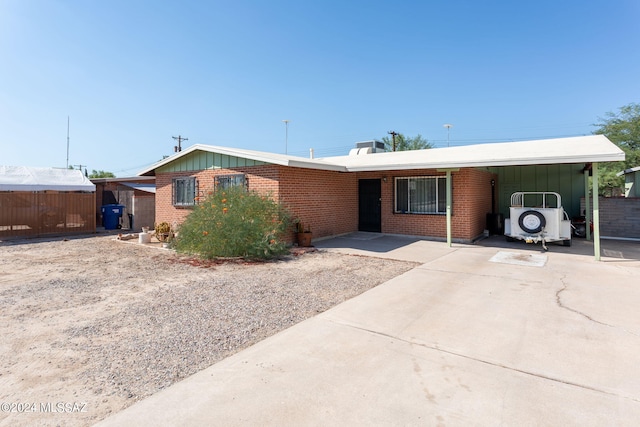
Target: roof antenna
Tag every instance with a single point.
(67, 142)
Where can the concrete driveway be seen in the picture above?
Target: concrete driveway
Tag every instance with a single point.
(485, 334)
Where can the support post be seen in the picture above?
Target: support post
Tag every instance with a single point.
(449, 200)
(449, 208)
(587, 205)
(596, 214)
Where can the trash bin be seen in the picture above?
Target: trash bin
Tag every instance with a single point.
(111, 216)
(495, 223)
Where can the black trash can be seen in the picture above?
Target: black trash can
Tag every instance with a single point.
(495, 223)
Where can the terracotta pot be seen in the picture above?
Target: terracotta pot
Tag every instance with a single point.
(304, 239)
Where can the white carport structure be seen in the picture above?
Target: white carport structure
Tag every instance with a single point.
(590, 150)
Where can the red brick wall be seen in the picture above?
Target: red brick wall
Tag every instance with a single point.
(471, 202)
(327, 201)
(263, 179)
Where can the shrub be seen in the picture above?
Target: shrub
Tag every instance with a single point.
(234, 223)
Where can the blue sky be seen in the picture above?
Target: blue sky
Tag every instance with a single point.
(132, 74)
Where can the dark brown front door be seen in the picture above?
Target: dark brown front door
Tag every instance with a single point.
(369, 210)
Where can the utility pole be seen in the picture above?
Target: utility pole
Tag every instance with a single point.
(393, 136)
(179, 138)
(80, 169)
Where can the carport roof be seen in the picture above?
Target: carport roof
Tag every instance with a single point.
(24, 178)
(581, 149)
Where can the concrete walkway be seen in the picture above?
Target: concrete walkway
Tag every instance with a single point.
(485, 334)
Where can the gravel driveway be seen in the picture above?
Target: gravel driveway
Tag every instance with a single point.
(91, 325)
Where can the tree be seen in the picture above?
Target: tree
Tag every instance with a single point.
(406, 143)
(101, 174)
(623, 129)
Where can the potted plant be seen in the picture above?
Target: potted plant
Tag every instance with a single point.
(163, 232)
(304, 235)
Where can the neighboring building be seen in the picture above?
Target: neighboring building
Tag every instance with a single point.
(43, 201)
(136, 194)
(390, 192)
(631, 181)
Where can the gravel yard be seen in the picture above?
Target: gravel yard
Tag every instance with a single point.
(91, 325)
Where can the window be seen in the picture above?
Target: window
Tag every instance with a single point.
(184, 191)
(226, 181)
(421, 195)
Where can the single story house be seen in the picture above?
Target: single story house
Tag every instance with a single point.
(42, 201)
(439, 193)
(137, 194)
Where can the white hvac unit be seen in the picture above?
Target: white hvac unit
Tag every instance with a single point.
(538, 217)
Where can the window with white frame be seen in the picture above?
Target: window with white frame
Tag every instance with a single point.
(421, 194)
(185, 191)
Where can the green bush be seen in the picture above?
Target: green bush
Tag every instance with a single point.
(234, 223)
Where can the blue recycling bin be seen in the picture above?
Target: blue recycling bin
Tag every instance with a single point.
(111, 216)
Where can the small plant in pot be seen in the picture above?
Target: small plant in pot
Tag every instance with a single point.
(304, 235)
(163, 232)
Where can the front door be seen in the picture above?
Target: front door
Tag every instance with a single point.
(369, 211)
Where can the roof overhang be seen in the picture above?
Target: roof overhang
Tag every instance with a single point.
(586, 149)
(582, 149)
(260, 156)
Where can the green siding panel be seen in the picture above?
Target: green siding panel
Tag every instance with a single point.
(565, 179)
(201, 160)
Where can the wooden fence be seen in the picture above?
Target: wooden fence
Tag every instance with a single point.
(28, 214)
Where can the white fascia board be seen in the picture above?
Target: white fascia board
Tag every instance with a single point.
(260, 156)
(588, 149)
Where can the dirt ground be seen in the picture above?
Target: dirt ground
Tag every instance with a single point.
(91, 325)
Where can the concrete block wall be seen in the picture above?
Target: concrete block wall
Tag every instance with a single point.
(619, 216)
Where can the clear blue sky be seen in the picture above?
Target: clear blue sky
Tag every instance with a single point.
(132, 74)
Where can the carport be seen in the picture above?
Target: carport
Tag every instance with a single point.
(583, 152)
(558, 157)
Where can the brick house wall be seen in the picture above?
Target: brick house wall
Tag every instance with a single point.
(323, 200)
(471, 192)
(263, 179)
(327, 201)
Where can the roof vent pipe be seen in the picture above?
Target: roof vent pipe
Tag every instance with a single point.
(311, 153)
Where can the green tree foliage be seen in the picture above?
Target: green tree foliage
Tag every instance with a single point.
(623, 129)
(404, 143)
(101, 174)
(234, 223)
